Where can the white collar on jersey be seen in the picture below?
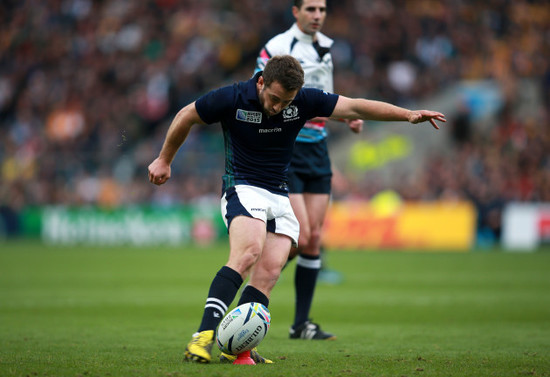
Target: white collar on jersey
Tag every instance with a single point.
(322, 39)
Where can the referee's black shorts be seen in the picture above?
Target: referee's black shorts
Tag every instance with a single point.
(310, 170)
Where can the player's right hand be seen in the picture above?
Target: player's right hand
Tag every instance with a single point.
(159, 172)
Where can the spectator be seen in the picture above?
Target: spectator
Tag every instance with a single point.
(85, 86)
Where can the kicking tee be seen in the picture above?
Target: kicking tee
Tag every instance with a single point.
(258, 148)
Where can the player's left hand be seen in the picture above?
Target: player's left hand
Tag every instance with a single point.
(355, 125)
(419, 116)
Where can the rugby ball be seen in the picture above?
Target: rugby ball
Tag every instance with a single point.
(243, 328)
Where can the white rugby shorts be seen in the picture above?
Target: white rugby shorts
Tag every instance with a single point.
(275, 210)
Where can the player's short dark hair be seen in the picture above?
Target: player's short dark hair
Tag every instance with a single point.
(286, 70)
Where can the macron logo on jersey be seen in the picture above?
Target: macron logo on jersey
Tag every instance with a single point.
(249, 116)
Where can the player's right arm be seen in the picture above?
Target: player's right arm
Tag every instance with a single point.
(159, 169)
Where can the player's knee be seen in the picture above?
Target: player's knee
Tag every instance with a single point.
(312, 247)
(315, 237)
(304, 238)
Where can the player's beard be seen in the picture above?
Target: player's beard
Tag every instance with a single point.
(265, 110)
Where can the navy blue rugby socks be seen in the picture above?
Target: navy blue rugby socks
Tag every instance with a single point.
(251, 294)
(222, 292)
(307, 270)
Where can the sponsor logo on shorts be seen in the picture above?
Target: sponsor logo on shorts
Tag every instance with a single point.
(257, 209)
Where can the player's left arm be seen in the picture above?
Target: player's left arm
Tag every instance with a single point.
(360, 108)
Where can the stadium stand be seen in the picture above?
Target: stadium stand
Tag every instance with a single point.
(87, 88)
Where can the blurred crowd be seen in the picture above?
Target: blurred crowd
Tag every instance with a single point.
(88, 88)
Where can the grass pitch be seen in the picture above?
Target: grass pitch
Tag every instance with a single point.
(92, 311)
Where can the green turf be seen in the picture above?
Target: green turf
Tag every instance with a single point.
(92, 311)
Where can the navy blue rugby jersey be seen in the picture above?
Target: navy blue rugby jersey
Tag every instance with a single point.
(258, 148)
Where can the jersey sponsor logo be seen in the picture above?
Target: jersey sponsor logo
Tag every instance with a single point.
(249, 116)
(290, 113)
(269, 130)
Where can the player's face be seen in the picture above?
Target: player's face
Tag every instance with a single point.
(274, 98)
(311, 16)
